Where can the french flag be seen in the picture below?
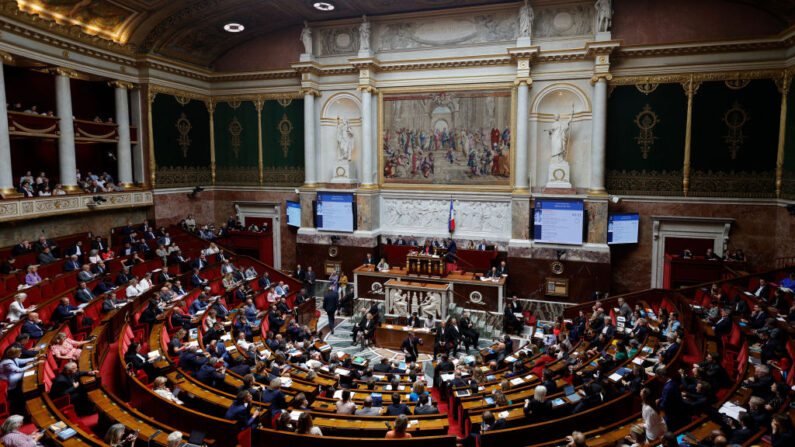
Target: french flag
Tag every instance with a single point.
(451, 218)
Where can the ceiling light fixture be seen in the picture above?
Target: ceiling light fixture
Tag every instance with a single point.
(324, 6)
(234, 27)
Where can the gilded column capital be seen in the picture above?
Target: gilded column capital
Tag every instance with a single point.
(210, 104)
(528, 81)
(601, 76)
(61, 71)
(784, 82)
(121, 84)
(367, 88)
(691, 86)
(258, 103)
(6, 57)
(309, 91)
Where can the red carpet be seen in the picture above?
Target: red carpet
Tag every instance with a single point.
(453, 427)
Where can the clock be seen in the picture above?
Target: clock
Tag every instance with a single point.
(333, 251)
(557, 267)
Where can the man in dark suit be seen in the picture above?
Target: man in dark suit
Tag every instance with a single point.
(451, 251)
(724, 324)
(367, 329)
(43, 243)
(423, 407)
(383, 366)
(46, 257)
(502, 269)
(671, 401)
(369, 259)
(199, 263)
(75, 249)
(165, 240)
(330, 301)
(453, 336)
(196, 280)
(415, 320)
(109, 303)
(240, 411)
(34, 326)
(83, 294)
(757, 318)
(64, 311)
(410, 347)
(98, 244)
(441, 342)
(99, 269)
(762, 291)
(212, 373)
(309, 281)
(512, 323)
(68, 383)
(21, 248)
(72, 264)
(300, 273)
(397, 408)
(123, 278)
(468, 332)
(164, 275)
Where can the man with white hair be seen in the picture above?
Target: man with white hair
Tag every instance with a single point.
(174, 439)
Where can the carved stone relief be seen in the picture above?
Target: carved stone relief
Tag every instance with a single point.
(446, 31)
(472, 218)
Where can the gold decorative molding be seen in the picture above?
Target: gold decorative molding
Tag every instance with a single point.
(33, 208)
(783, 85)
(528, 81)
(601, 77)
(367, 88)
(681, 78)
(309, 91)
(733, 184)
(61, 71)
(646, 121)
(155, 88)
(237, 175)
(121, 84)
(653, 183)
(168, 177)
(6, 57)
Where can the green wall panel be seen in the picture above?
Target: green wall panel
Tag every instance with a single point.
(645, 139)
(735, 139)
(181, 159)
(236, 134)
(283, 134)
(788, 185)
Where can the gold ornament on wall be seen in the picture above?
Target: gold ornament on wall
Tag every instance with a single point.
(182, 100)
(735, 119)
(646, 121)
(737, 84)
(234, 104)
(285, 128)
(183, 127)
(235, 129)
(284, 102)
(646, 87)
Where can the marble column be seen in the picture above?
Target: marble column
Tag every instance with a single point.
(523, 97)
(598, 137)
(310, 177)
(66, 143)
(6, 173)
(367, 141)
(123, 153)
(137, 149)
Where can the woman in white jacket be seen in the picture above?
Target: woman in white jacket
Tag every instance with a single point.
(17, 310)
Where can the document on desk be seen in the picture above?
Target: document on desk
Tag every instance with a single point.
(517, 381)
(731, 410)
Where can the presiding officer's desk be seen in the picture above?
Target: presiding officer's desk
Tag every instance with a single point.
(463, 284)
(391, 336)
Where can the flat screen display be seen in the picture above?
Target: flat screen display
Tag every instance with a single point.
(558, 221)
(293, 213)
(622, 228)
(334, 211)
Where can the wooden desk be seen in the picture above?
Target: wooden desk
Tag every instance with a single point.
(368, 282)
(391, 337)
(422, 264)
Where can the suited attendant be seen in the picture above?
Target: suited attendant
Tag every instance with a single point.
(309, 281)
(441, 342)
(410, 347)
(369, 260)
(453, 335)
(300, 273)
(330, 303)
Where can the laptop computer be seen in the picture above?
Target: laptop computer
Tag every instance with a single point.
(571, 393)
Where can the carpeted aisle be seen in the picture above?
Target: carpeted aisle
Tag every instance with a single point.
(453, 427)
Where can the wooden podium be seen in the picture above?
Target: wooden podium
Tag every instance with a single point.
(422, 264)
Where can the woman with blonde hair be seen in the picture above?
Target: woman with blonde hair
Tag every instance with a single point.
(64, 348)
(161, 390)
(32, 278)
(13, 437)
(17, 310)
(115, 436)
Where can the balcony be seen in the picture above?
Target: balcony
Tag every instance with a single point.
(15, 209)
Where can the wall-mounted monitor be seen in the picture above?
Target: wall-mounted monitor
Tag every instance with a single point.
(335, 212)
(558, 221)
(622, 228)
(293, 213)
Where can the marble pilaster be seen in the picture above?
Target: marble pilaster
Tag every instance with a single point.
(6, 172)
(598, 137)
(66, 143)
(123, 154)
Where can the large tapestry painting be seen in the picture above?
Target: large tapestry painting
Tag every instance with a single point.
(448, 138)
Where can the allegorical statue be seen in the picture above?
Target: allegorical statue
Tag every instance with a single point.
(364, 35)
(306, 38)
(525, 20)
(559, 137)
(604, 15)
(344, 140)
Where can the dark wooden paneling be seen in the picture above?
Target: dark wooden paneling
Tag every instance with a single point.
(527, 277)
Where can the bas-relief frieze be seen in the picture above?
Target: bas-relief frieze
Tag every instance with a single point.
(472, 218)
(435, 32)
(563, 21)
(22, 209)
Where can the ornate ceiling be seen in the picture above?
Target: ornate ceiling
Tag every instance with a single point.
(191, 30)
